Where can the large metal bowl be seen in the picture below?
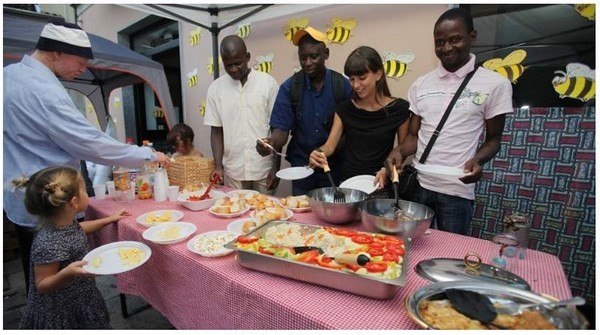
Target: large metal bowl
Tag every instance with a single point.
(378, 215)
(321, 203)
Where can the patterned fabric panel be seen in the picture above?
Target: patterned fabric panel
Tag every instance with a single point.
(546, 169)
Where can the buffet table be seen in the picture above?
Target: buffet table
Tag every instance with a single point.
(194, 292)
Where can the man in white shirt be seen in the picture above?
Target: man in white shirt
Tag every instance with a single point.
(238, 109)
(484, 102)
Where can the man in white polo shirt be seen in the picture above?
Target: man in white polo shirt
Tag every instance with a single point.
(238, 109)
(483, 104)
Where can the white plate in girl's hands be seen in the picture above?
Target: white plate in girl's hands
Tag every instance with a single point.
(440, 169)
(116, 257)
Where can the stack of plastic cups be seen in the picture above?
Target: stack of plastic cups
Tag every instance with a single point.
(160, 185)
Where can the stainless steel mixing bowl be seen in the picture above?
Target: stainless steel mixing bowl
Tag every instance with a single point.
(321, 202)
(412, 221)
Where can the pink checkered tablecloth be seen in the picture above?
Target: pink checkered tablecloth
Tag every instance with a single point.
(194, 292)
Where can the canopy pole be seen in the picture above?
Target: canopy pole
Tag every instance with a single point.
(214, 29)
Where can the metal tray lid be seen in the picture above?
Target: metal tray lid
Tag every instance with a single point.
(454, 269)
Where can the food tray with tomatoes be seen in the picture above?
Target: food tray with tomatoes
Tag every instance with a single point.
(367, 264)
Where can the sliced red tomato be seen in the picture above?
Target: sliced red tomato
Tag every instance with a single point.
(353, 267)
(397, 249)
(247, 239)
(308, 256)
(392, 240)
(389, 256)
(342, 231)
(376, 267)
(328, 262)
(375, 251)
(376, 244)
(362, 239)
(265, 251)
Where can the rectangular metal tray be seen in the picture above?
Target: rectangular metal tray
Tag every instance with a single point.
(368, 286)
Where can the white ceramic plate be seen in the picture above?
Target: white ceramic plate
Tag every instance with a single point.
(237, 225)
(288, 213)
(143, 219)
(362, 183)
(231, 215)
(211, 244)
(161, 234)
(440, 169)
(105, 259)
(298, 209)
(293, 173)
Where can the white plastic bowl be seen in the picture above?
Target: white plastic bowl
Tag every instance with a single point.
(199, 205)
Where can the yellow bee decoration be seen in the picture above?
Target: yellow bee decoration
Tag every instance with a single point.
(210, 67)
(192, 77)
(509, 66)
(158, 112)
(577, 83)
(293, 26)
(243, 30)
(264, 63)
(195, 36)
(202, 107)
(395, 66)
(586, 10)
(339, 30)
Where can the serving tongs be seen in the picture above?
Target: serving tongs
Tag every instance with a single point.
(396, 205)
(270, 147)
(206, 194)
(338, 196)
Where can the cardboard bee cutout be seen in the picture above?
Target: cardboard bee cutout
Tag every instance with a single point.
(395, 66)
(578, 82)
(293, 26)
(264, 63)
(339, 31)
(510, 66)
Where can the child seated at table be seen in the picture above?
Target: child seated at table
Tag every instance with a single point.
(181, 138)
(65, 295)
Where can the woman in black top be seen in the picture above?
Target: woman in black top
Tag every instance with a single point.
(370, 121)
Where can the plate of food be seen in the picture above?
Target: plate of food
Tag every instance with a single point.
(261, 201)
(296, 203)
(242, 193)
(272, 213)
(116, 257)
(362, 183)
(229, 207)
(211, 244)
(170, 232)
(154, 218)
(242, 226)
(294, 173)
(441, 170)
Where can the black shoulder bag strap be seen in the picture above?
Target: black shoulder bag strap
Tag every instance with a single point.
(446, 114)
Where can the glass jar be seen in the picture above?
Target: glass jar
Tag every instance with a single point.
(122, 183)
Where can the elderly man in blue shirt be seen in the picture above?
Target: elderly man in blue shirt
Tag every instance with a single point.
(42, 126)
(310, 119)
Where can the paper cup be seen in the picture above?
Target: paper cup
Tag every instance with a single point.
(110, 185)
(173, 193)
(100, 191)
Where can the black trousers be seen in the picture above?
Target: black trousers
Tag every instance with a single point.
(25, 239)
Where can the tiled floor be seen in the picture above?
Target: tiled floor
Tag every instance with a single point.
(14, 302)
